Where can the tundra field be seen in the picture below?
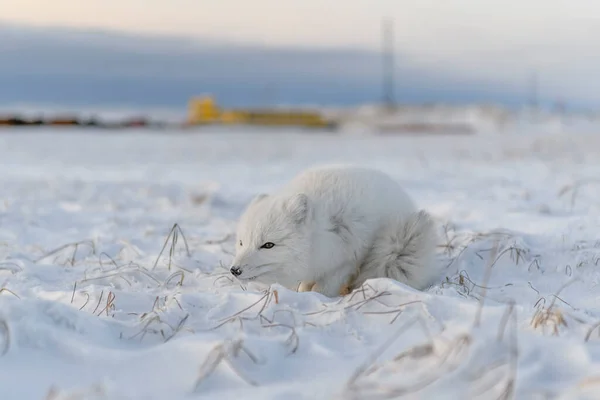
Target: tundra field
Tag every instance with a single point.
(114, 283)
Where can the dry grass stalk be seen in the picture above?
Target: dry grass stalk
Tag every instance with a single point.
(224, 352)
(99, 301)
(10, 266)
(177, 274)
(9, 291)
(7, 337)
(178, 328)
(265, 299)
(447, 361)
(110, 299)
(293, 340)
(574, 189)
(363, 368)
(151, 321)
(550, 316)
(591, 330)
(174, 236)
(509, 391)
(490, 377)
(87, 300)
(75, 246)
(504, 321)
(488, 272)
(132, 267)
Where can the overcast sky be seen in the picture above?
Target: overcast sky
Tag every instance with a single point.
(461, 49)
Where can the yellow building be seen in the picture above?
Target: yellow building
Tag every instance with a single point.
(204, 110)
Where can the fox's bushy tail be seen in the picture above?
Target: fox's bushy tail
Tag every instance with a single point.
(405, 251)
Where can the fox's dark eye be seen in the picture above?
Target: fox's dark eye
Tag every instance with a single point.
(267, 245)
(241, 243)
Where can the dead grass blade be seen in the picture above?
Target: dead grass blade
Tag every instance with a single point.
(174, 236)
(9, 291)
(224, 352)
(293, 340)
(7, 337)
(375, 355)
(75, 246)
(488, 273)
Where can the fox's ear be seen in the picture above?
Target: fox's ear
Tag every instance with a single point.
(297, 207)
(257, 198)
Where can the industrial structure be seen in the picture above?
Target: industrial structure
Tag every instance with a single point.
(204, 111)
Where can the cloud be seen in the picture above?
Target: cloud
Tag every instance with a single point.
(69, 66)
(454, 49)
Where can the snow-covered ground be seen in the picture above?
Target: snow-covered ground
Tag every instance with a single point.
(98, 301)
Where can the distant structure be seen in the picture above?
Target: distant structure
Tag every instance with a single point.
(205, 111)
(534, 90)
(389, 100)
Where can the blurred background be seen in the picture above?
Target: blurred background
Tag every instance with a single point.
(168, 116)
(470, 63)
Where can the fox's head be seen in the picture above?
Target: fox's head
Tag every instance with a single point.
(273, 240)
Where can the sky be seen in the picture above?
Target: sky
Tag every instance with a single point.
(299, 51)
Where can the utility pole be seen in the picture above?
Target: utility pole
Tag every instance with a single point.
(388, 63)
(534, 90)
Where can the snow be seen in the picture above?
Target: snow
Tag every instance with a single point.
(87, 311)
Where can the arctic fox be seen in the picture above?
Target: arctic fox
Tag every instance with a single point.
(333, 227)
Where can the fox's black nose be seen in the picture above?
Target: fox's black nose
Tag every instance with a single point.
(236, 271)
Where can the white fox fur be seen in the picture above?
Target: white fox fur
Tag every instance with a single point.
(333, 227)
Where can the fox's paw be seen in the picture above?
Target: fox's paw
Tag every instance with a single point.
(306, 286)
(314, 287)
(345, 290)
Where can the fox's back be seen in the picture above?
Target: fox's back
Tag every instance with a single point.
(351, 192)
